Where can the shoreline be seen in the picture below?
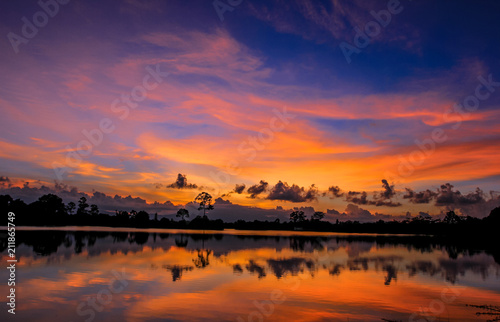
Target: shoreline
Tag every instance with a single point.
(226, 231)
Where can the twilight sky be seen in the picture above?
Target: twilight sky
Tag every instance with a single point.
(279, 104)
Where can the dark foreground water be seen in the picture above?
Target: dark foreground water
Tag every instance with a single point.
(117, 275)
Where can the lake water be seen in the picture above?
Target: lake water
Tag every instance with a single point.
(122, 275)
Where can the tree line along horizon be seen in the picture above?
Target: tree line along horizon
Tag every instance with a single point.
(50, 209)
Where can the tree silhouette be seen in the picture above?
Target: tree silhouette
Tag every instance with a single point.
(50, 210)
(141, 218)
(182, 213)
(5, 200)
(82, 206)
(50, 205)
(94, 210)
(452, 218)
(297, 216)
(205, 201)
(70, 207)
(122, 216)
(318, 215)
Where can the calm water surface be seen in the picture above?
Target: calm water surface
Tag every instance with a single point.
(119, 275)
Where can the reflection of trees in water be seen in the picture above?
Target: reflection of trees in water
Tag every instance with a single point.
(452, 251)
(335, 269)
(355, 263)
(203, 258)
(392, 273)
(177, 270)
(386, 263)
(79, 244)
(356, 249)
(119, 236)
(138, 238)
(91, 240)
(253, 267)
(41, 242)
(357, 244)
(85, 238)
(291, 266)
(454, 268)
(297, 244)
(492, 311)
(300, 243)
(459, 261)
(448, 269)
(49, 245)
(181, 242)
(422, 266)
(237, 269)
(279, 267)
(67, 241)
(203, 237)
(451, 269)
